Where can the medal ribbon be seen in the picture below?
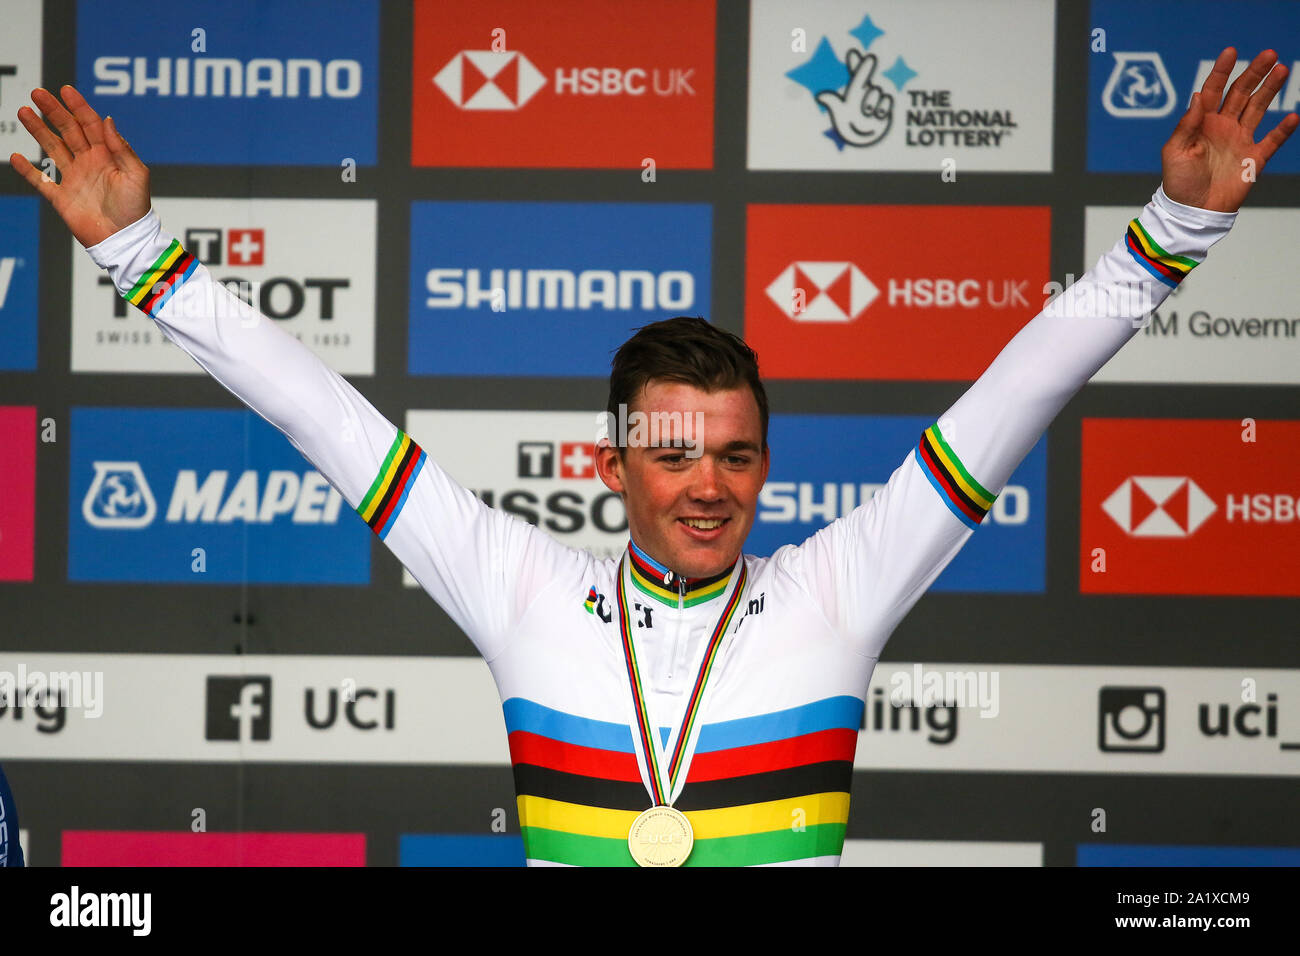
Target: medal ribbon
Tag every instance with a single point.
(644, 727)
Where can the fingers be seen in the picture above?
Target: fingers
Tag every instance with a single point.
(1277, 136)
(63, 121)
(44, 136)
(862, 74)
(42, 183)
(1259, 100)
(1186, 129)
(84, 115)
(1239, 92)
(1212, 88)
(118, 146)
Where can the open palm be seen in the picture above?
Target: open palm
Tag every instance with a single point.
(1212, 159)
(104, 186)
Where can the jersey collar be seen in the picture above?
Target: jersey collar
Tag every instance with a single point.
(667, 586)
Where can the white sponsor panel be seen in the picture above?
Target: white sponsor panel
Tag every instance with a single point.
(939, 853)
(20, 73)
(1234, 320)
(167, 707)
(308, 264)
(538, 466)
(835, 84)
(1216, 721)
(421, 710)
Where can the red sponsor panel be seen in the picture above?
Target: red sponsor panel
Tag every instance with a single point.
(517, 83)
(1190, 506)
(891, 292)
(147, 848)
(17, 492)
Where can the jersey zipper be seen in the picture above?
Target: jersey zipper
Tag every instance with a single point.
(677, 638)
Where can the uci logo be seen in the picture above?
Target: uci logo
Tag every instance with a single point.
(119, 497)
(1138, 87)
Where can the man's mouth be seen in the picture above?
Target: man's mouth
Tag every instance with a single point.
(703, 524)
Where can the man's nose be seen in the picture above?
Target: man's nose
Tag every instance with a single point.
(706, 480)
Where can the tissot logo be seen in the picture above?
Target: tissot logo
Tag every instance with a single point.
(238, 708)
(1159, 507)
(822, 291)
(242, 247)
(485, 80)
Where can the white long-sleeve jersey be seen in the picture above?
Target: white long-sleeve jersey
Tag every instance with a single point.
(768, 763)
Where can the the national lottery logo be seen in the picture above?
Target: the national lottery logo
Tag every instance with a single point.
(1138, 87)
(862, 100)
(487, 80)
(119, 497)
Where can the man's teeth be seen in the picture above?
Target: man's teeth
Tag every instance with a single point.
(704, 524)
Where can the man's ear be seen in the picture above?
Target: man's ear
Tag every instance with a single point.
(609, 465)
(767, 461)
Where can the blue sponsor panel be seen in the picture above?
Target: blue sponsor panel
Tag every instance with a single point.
(1137, 854)
(549, 289)
(824, 466)
(243, 82)
(1158, 54)
(456, 849)
(151, 486)
(19, 279)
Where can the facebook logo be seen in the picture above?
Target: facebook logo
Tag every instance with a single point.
(239, 708)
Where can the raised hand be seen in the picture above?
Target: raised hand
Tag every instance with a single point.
(104, 186)
(1204, 162)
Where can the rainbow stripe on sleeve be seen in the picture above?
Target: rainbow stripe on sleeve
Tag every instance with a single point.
(1169, 269)
(383, 502)
(162, 279)
(964, 496)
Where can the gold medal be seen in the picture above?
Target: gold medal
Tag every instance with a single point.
(660, 836)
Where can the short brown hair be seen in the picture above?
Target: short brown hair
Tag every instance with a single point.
(689, 350)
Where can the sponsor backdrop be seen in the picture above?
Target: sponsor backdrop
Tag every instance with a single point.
(205, 656)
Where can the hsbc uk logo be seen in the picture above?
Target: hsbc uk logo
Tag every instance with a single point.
(1159, 507)
(501, 80)
(822, 291)
(537, 459)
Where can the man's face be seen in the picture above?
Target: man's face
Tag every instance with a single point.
(691, 513)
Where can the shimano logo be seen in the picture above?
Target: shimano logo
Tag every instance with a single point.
(608, 289)
(784, 502)
(226, 76)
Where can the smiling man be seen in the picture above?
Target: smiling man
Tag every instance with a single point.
(687, 703)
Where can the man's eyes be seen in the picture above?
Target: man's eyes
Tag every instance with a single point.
(738, 461)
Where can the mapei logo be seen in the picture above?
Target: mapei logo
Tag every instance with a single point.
(1159, 507)
(119, 497)
(487, 80)
(822, 291)
(536, 459)
(1139, 86)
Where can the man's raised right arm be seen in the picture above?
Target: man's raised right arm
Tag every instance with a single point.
(481, 565)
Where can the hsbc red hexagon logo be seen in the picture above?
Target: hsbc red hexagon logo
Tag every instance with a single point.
(1159, 507)
(487, 80)
(1190, 506)
(822, 291)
